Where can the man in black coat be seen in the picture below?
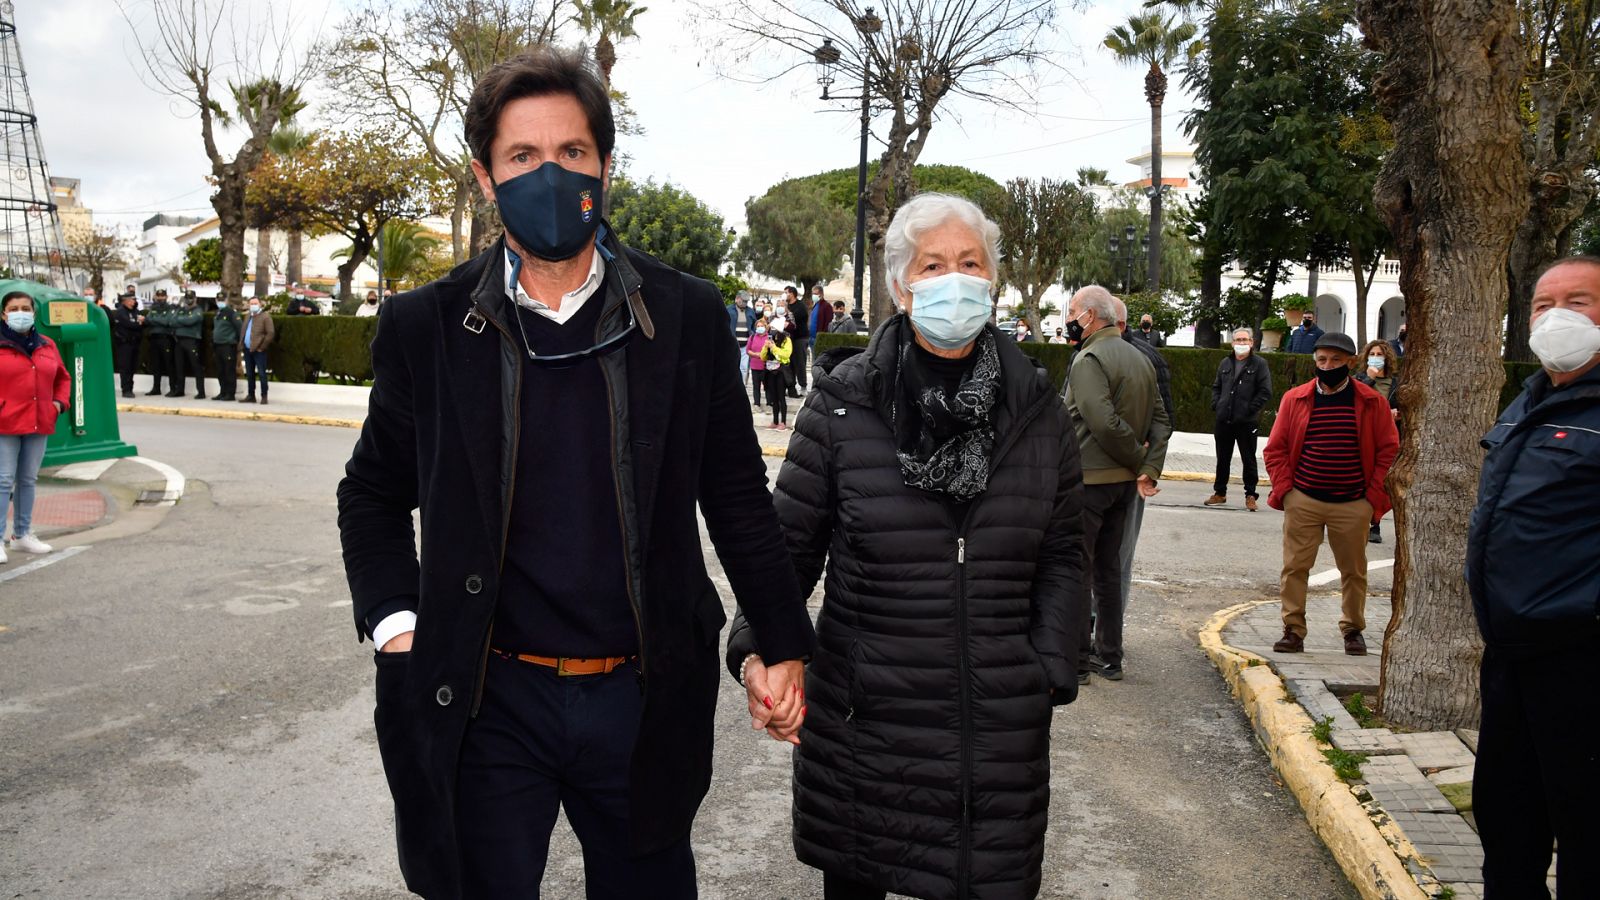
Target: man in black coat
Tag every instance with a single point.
(127, 327)
(557, 407)
(1534, 579)
(1242, 388)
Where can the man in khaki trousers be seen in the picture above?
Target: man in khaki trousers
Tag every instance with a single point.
(1331, 448)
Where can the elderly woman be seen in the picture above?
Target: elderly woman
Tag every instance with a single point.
(1378, 367)
(936, 475)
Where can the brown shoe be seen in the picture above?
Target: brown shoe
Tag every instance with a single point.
(1216, 500)
(1355, 644)
(1250, 503)
(1290, 643)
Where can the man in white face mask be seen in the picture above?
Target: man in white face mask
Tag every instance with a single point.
(1240, 390)
(1534, 577)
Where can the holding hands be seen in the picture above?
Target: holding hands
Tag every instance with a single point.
(776, 697)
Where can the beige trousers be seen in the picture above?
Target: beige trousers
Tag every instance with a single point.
(1304, 520)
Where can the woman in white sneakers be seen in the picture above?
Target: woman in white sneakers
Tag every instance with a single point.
(34, 390)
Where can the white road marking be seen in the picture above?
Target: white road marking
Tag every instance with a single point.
(48, 560)
(175, 480)
(1332, 575)
(85, 471)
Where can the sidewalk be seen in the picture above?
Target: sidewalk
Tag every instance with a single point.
(1401, 825)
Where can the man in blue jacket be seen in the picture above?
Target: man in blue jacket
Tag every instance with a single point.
(1534, 574)
(1304, 338)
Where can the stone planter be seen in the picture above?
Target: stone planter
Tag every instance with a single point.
(1271, 340)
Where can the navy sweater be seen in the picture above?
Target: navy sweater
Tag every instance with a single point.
(564, 588)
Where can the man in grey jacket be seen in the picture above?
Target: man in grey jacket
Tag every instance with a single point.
(1122, 430)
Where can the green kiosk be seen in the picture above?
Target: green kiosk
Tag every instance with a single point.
(82, 333)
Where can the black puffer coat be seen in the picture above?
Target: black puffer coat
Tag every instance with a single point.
(924, 762)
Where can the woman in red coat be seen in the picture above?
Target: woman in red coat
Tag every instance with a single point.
(34, 390)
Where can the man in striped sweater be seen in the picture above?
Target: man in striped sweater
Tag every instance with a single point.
(1331, 448)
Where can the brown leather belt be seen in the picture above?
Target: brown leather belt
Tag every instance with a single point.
(569, 665)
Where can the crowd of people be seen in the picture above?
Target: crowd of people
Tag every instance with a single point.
(777, 336)
(169, 335)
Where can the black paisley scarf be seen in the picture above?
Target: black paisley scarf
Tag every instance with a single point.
(945, 440)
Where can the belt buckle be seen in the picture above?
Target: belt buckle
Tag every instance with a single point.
(561, 666)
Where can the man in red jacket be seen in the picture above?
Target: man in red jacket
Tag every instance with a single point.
(1331, 448)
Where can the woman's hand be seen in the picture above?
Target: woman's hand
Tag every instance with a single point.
(1374, 374)
(776, 698)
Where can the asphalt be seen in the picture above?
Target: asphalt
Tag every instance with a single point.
(187, 713)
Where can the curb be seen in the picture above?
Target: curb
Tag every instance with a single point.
(1284, 730)
(288, 419)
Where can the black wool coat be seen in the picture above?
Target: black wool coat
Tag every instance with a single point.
(924, 760)
(441, 435)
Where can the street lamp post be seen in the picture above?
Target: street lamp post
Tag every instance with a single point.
(1125, 252)
(827, 58)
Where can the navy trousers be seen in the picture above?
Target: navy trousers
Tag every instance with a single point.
(544, 742)
(1537, 777)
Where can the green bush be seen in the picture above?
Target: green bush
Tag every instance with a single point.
(1057, 358)
(339, 346)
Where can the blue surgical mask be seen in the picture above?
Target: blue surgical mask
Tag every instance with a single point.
(552, 212)
(1375, 362)
(950, 310)
(19, 321)
(761, 329)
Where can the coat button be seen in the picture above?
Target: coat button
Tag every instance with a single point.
(474, 584)
(444, 695)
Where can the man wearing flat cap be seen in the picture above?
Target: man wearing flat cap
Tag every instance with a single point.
(1331, 448)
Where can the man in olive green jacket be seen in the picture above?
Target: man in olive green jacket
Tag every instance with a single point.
(1122, 429)
(225, 349)
(187, 321)
(158, 332)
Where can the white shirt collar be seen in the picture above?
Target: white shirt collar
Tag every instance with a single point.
(571, 302)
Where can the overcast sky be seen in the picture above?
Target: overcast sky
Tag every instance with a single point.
(139, 152)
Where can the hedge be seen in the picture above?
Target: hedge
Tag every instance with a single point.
(305, 346)
(1194, 369)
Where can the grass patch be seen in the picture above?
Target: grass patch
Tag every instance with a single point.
(1459, 795)
(1446, 893)
(1356, 705)
(1322, 730)
(1346, 765)
(1252, 663)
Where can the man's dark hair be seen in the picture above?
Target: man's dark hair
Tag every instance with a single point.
(789, 289)
(161, 292)
(538, 72)
(6, 301)
(1582, 259)
(839, 305)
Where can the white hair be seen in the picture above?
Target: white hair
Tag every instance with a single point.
(1099, 301)
(1121, 308)
(1246, 332)
(925, 212)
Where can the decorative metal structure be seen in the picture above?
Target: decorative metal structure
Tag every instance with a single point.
(827, 59)
(32, 244)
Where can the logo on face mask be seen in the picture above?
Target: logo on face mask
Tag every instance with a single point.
(586, 205)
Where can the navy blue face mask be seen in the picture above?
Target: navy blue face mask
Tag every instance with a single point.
(552, 212)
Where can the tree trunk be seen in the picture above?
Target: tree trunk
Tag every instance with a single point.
(228, 201)
(1269, 285)
(359, 249)
(485, 225)
(1363, 287)
(1207, 330)
(1152, 280)
(1452, 191)
(263, 261)
(1552, 210)
(293, 256)
(458, 217)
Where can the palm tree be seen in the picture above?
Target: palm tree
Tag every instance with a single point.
(286, 142)
(609, 21)
(1157, 40)
(405, 249)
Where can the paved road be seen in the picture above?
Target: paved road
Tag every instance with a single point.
(187, 714)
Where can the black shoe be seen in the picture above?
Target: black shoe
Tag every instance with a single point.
(128, 394)
(199, 396)
(225, 398)
(1374, 536)
(175, 393)
(153, 393)
(263, 399)
(1355, 644)
(1083, 677)
(1101, 668)
(248, 399)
